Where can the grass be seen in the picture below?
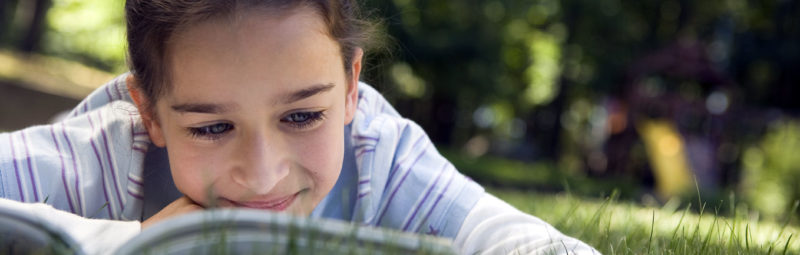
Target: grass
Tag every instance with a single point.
(615, 227)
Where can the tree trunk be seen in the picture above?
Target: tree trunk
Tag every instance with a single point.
(5, 18)
(30, 42)
(559, 104)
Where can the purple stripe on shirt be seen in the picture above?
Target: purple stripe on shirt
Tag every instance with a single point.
(135, 181)
(364, 152)
(360, 195)
(394, 170)
(141, 140)
(30, 166)
(74, 167)
(362, 146)
(75, 111)
(139, 149)
(135, 134)
(102, 171)
(16, 166)
(400, 183)
(135, 195)
(452, 176)
(110, 161)
(108, 92)
(361, 137)
(424, 198)
(118, 88)
(63, 170)
(365, 181)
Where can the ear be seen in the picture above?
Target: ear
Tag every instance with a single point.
(150, 123)
(351, 101)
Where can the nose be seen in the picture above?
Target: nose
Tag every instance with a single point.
(262, 164)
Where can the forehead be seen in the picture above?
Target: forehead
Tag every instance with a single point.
(252, 47)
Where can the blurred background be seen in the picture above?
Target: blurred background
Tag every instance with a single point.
(658, 100)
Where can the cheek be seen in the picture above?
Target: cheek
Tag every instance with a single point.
(321, 155)
(192, 170)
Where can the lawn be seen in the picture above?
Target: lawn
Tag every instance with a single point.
(615, 227)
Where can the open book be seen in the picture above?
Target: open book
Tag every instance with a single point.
(227, 231)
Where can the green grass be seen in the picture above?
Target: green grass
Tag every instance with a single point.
(614, 227)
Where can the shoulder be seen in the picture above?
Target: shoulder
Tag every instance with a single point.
(91, 157)
(404, 183)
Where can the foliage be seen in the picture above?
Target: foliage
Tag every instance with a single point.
(772, 169)
(540, 176)
(92, 31)
(537, 81)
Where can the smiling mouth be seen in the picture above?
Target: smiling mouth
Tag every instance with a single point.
(279, 204)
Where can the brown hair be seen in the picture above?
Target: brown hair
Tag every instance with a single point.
(151, 23)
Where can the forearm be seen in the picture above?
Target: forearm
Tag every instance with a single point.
(495, 227)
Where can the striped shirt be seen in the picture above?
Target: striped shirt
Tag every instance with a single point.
(91, 164)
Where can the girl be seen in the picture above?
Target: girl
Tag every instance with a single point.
(252, 104)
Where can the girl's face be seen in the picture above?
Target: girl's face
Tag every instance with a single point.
(256, 112)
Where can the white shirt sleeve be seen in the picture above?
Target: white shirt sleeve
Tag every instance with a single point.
(94, 236)
(495, 227)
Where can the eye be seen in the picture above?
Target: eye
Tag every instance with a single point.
(211, 132)
(302, 120)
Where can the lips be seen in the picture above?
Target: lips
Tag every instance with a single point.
(278, 204)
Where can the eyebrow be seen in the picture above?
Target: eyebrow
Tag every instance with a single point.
(222, 108)
(307, 92)
(201, 108)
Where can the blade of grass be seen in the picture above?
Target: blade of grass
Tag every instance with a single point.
(732, 198)
(680, 222)
(789, 217)
(734, 241)
(786, 247)
(652, 226)
(99, 209)
(709, 233)
(696, 232)
(599, 212)
(747, 237)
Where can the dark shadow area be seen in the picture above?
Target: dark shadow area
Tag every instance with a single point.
(21, 107)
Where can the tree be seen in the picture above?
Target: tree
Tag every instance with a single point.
(35, 26)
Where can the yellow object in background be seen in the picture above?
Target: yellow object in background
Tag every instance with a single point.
(667, 154)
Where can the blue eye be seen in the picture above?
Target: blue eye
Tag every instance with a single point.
(212, 132)
(301, 120)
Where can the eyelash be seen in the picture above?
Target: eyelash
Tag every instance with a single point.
(310, 118)
(207, 132)
(216, 131)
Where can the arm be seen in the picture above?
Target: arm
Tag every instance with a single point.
(495, 227)
(396, 159)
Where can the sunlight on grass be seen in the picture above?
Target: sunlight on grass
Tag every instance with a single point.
(615, 227)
